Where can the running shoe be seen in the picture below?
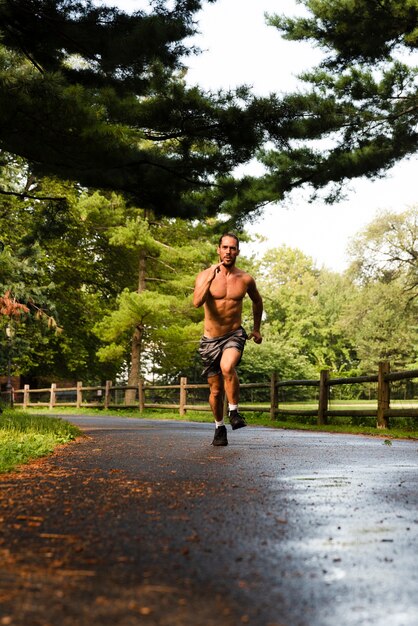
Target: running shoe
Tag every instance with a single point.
(220, 438)
(237, 420)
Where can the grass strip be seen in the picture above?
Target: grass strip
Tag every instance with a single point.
(24, 437)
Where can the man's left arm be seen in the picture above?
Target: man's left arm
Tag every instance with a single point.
(257, 312)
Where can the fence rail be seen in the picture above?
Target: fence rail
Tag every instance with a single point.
(118, 396)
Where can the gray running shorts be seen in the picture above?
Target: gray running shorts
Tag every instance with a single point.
(211, 349)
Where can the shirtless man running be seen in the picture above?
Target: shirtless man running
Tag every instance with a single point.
(221, 289)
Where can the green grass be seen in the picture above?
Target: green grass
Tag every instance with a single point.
(24, 437)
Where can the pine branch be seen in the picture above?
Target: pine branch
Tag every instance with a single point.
(24, 195)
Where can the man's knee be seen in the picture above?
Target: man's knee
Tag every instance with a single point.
(215, 385)
(229, 362)
(229, 371)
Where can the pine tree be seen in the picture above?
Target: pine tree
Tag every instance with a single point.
(96, 96)
(357, 115)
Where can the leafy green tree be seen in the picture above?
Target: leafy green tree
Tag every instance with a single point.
(381, 321)
(381, 313)
(303, 307)
(23, 281)
(127, 282)
(156, 318)
(60, 265)
(387, 250)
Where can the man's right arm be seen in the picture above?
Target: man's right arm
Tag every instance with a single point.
(203, 283)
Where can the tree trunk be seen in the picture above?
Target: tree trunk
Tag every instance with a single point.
(135, 370)
(136, 342)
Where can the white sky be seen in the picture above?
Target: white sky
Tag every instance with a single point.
(238, 48)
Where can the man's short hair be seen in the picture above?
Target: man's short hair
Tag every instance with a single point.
(233, 235)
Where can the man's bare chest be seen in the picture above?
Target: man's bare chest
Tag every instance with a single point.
(231, 288)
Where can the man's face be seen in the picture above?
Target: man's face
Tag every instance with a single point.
(228, 251)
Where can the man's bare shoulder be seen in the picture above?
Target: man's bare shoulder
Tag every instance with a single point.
(250, 285)
(243, 275)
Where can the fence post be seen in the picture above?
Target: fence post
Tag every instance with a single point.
(274, 396)
(323, 397)
(183, 395)
(26, 396)
(52, 396)
(141, 397)
(11, 397)
(383, 394)
(107, 394)
(79, 393)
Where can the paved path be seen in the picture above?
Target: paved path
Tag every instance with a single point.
(145, 523)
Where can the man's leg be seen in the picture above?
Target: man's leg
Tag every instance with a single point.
(229, 361)
(216, 401)
(216, 396)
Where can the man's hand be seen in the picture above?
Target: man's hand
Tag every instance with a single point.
(255, 334)
(215, 269)
(203, 283)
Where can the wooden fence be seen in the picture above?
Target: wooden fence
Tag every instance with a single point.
(112, 396)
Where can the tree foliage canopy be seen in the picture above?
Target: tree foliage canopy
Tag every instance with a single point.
(387, 250)
(92, 94)
(356, 30)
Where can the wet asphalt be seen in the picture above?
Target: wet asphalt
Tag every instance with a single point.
(144, 522)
